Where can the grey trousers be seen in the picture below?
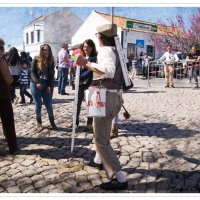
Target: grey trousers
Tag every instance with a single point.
(102, 128)
(193, 73)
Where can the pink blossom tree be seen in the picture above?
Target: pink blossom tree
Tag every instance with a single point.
(177, 33)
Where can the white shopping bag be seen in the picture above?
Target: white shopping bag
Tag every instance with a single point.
(96, 101)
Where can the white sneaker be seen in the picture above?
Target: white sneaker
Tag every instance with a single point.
(196, 86)
(188, 81)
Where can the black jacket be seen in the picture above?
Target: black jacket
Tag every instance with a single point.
(86, 75)
(36, 73)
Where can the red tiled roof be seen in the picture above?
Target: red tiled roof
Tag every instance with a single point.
(121, 22)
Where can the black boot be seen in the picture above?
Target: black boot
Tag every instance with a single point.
(53, 125)
(39, 124)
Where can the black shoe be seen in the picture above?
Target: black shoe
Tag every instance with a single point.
(64, 93)
(91, 163)
(22, 102)
(31, 101)
(53, 125)
(15, 151)
(166, 86)
(114, 184)
(172, 86)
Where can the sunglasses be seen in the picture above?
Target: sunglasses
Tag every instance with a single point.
(97, 35)
(2, 48)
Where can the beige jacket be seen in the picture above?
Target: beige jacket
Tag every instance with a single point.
(4, 71)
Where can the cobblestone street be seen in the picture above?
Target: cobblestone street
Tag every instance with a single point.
(158, 146)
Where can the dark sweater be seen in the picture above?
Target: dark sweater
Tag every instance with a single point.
(86, 75)
(36, 74)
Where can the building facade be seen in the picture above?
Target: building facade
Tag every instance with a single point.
(53, 29)
(133, 34)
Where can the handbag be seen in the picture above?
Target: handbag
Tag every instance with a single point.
(96, 101)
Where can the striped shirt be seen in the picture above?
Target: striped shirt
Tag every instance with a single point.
(24, 76)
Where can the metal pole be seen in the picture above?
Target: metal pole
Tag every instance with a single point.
(112, 17)
(75, 106)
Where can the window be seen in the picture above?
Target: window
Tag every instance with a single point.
(131, 50)
(38, 35)
(150, 50)
(26, 38)
(32, 37)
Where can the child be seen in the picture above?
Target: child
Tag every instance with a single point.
(24, 80)
(134, 68)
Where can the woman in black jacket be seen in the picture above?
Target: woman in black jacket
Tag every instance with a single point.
(88, 50)
(42, 77)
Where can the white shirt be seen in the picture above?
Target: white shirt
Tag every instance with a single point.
(15, 70)
(169, 57)
(106, 61)
(61, 55)
(146, 60)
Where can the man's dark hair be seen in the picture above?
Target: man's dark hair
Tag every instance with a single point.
(24, 61)
(13, 56)
(2, 42)
(169, 45)
(107, 41)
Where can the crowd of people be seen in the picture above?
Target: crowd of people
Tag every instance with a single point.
(38, 74)
(170, 59)
(102, 69)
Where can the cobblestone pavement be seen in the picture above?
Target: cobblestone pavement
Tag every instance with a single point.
(158, 147)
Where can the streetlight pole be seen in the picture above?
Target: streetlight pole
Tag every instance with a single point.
(112, 15)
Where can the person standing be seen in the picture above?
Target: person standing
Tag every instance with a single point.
(147, 58)
(169, 59)
(142, 63)
(88, 50)
(108, 73)
(13, 61)
(24, 80)
(63, 68)
(192, 59)
(134, 70)
(6, 110)
(42, 77)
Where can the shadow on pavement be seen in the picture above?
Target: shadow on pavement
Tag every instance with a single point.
(54, 147)
(60, 101)
(164, 181)
(147, 92)
(180, 154)
(162, 130)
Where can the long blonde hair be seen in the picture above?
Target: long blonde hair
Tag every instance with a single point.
(42, 61)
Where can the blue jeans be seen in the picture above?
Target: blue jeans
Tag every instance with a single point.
(40, 95)
(63, 79)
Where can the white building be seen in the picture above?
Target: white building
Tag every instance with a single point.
(33, 35)
(133, 33)
(53, 29)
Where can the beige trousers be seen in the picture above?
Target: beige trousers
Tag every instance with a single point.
(169, 72)
(102, 128)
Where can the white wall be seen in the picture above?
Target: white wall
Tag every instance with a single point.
(88, 29)
(33, 48)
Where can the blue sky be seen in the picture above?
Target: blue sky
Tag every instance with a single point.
(12, 19)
